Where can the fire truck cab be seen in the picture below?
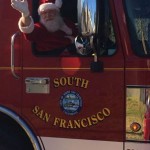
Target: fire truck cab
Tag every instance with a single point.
(96, 99)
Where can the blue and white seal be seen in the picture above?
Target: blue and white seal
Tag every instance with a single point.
(71, 103)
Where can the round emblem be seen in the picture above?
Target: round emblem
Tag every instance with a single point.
(71, 103)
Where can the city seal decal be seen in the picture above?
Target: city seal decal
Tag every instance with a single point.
(71, 103)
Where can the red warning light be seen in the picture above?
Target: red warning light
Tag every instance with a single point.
(135, 127)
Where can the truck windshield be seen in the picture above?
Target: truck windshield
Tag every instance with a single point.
(138, 21)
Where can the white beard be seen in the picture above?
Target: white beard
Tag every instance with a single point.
(53, 25)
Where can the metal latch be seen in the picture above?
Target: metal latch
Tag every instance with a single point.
(37, 85)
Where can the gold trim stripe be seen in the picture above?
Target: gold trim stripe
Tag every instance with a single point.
(107, 69)
(28, 68)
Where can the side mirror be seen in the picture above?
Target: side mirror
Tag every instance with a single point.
(88, 21)
(84, 45)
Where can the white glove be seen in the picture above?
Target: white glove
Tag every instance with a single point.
(21, 6)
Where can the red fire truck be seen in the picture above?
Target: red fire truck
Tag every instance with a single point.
(95, 100)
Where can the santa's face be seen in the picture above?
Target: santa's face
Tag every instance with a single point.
(51, 19)
(49, 14)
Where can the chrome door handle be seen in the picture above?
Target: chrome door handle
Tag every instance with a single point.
(13, 55)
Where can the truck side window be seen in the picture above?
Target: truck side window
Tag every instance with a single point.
(137, 114)
(68, 11)
(138, 20)
(107, 40)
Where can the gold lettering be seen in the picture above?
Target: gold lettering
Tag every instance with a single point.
(46, 117)
(35, 109)
(70, 80)
(56, 82)
(100, 116)
(56, 121)
(77, 81)
(83, 123)
(94, 120)
(89, 121)
(40, 114)
(70, 125)
(77, 124)
(63, 81)
(106, 112)
(84, 83)
(62, 123)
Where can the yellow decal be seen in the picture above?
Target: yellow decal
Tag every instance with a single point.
(70, 81)
(73, 124)
(40, 113)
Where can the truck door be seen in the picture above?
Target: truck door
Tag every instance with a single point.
(10, 58)
(64, 98)
(137, 74)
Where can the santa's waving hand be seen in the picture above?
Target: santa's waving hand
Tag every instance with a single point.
(21, 6)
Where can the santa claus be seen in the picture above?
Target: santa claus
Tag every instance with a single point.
(52, 33)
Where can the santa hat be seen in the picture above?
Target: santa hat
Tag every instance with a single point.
(49, 4)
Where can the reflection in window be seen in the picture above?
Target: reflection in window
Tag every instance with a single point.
(138, 19)
(107, 40)
(138, 114)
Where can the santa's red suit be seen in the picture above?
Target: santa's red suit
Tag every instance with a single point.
(45, 40)
(48, 40)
